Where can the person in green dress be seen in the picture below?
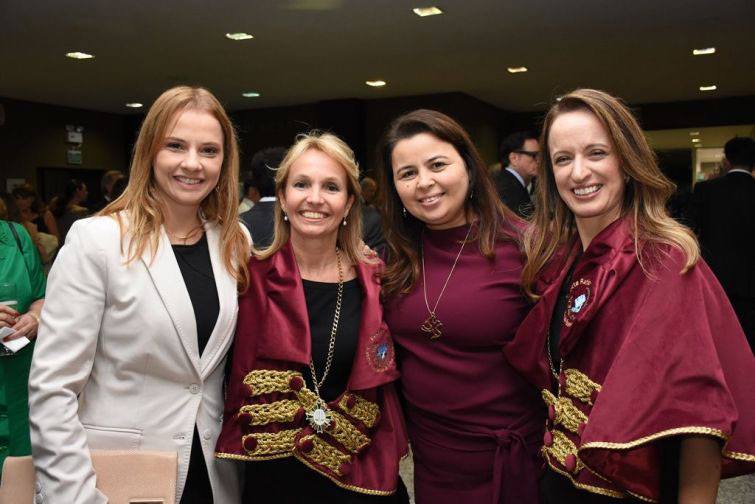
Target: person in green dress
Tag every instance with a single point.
(21, 280)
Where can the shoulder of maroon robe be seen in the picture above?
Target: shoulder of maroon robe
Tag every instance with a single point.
(267, 401)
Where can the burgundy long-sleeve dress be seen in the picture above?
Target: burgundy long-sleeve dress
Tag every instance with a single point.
(474, 424)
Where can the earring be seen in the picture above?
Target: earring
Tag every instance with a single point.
(471, 194)
(403, 211)
(285, 216)
(344, 220)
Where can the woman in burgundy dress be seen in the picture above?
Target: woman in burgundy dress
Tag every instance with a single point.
(638, 353)
(452, 300)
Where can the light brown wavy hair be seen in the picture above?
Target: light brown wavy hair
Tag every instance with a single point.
(403, 232)
(349, 238)
(645, 195)
(138, 210)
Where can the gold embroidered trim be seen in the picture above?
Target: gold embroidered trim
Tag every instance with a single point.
(579, 385)
(250, 458)
(325, 454)
(267, 381)
(278, 411)
(307, 398)
(353, 488)
(568, 415)
(548, 397)
(582, 486)
(349, 436)
(706, 431)
(747, 457)
(561, 447)
(363, 410)
(271, 443)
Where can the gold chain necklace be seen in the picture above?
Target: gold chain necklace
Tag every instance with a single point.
(320, 416)
(432, 326)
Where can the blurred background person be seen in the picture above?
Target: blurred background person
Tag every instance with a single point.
(250, 197)
(260, 219)
(106, 186)
(519, 153)
(38, 221)
(69, 207)
(22, 292)
(722, 213)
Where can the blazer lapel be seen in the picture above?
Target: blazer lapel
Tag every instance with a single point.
(166, 275)
(222, 333)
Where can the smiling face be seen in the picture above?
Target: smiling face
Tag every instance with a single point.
(431, 179)
(188, 164)
(587, 170)
(316, 196)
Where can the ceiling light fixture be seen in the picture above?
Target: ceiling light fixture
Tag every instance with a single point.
(694, 133)
(706, 50)
(134, 105)
(712, 87)
(239, 36)
(695, 140)
(250, 94)
(427, 11)
(79, 55)
(375, 83)
(517, 69)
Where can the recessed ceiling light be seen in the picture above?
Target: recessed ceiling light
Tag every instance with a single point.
(694, 133)
(239, 36)
(706, 50)
(695, 140)
(712, 87)
(516, 69)
(134, 105)
(79, 55)
(427, 11)
(250, 94)
(375, 83)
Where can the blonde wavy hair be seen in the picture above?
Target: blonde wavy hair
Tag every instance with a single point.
(646, 192)
(138, 209)
(349, 238)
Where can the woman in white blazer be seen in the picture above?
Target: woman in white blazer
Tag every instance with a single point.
(140, 313)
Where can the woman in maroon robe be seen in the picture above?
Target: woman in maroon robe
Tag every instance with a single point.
(310, 403)
(453, 299)
(638, 354)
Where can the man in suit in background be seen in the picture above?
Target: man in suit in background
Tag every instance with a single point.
(260, 220)
(519, 154)
(722, 213)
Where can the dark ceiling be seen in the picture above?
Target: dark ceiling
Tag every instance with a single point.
(311, 50)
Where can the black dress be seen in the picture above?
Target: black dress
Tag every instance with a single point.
(196, 270)
(287, 480)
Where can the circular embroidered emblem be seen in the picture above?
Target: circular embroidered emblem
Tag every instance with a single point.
(577, 300)
(380, 350)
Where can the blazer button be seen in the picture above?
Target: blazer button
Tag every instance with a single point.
(207, 435)
(194, 388)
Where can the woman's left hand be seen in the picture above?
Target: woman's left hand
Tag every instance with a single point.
(26, 325)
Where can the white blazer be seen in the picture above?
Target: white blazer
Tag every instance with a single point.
(117, 366)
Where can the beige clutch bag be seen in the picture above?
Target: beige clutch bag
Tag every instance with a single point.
(125, 477)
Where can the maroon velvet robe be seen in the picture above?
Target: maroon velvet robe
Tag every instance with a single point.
(267, 399)
(644, 355)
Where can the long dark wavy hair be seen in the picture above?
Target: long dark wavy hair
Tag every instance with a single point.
(403, 233)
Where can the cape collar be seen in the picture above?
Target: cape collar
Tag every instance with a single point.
(286, 336)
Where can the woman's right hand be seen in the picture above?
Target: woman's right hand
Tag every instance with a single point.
(8, 316)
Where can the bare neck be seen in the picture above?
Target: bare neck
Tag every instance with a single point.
(316, 257)
(182, 223)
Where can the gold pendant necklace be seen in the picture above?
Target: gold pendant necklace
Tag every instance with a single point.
(319, 416)
(432, 326)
